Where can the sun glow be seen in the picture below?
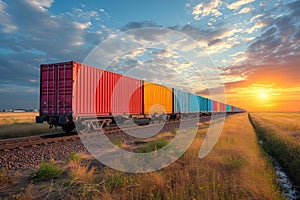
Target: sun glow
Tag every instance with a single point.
(263, 95)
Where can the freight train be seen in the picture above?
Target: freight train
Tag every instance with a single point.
(72, 94)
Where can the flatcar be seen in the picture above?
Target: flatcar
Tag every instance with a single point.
(71, 91)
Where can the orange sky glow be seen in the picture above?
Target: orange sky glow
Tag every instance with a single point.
(267, 90)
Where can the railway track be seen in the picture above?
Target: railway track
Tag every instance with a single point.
(23, 142)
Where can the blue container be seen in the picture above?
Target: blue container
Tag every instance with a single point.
(194, 103)
(209, 105)
(180, 101)
(228, 108)
(203, 104)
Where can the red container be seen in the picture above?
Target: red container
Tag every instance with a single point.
(56, 89)
(215, 106)
(223, 107)
(72, 87)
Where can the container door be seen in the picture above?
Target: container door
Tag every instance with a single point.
(64, 89)
(56, 89)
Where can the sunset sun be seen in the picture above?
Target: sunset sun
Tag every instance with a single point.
(263, 95)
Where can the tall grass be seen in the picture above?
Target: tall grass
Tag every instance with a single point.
(279, 144)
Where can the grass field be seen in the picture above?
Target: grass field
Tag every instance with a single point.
(7, 118)
(22, 124)
(280, 133)
(235, 169)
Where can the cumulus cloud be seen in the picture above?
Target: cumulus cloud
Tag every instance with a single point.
(238, 4)
(82, 25)
(202, 9)
(42, 5)
(245, 10)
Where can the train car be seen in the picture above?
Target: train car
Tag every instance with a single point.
(203, 104)
(224, 108)
(157, 99)
(215, 106)
(194, 103)
(228, 108)
(181, 101)
(209, 105)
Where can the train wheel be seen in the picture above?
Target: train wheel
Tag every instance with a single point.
(68, 127)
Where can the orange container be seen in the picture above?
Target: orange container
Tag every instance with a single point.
(157, 98)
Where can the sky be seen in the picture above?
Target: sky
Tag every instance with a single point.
(252, 46)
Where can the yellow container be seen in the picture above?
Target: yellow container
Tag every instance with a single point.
(157, 98)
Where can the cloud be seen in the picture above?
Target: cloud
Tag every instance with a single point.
(206, 9)
(256, 26)
(82, 25)
(142, 24)
(42, 5)
(30, 35)
(238, 4)
(279, 43)
(245, 10)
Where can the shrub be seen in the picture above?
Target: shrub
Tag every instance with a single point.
(73, 157)
(152, 146)
(4, 179)
(47, 171)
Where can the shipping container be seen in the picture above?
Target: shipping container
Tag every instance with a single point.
(228, 108)
(105, 93)
(73, 88)
(157, 98)
(180, 101)
(215, 106)
(235, 109)
(194, 103)
(223, 107)
(209, 105)
(203, 104)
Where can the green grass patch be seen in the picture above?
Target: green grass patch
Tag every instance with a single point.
(235, 163)
(152, 146)
(47, 171)
(73, 156)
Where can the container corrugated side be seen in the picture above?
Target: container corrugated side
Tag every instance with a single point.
(209, 105)
(194, 103)
(180, 101)
(99, 92)
(157, 98)
(228, 108)
(223, 107)
(215, 106)
(203, 104)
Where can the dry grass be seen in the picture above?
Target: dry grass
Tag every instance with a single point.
(22, 124)
(285, 124)
(7, 118)
(235, 169)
